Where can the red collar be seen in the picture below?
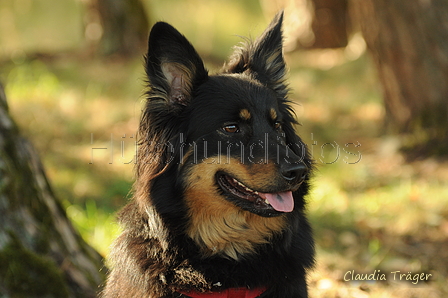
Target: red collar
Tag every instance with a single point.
(229, 293)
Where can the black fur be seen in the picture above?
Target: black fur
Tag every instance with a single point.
(192, 119)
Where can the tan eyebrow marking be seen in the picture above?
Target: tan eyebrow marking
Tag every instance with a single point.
(245, 114)
(273, 114)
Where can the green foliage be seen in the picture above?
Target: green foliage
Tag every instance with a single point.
(66, 119)
(213, 28)
(97, 226)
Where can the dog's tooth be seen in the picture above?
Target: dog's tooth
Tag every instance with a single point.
(266, 201)
(243, 186)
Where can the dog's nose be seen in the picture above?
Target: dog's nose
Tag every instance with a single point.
(295, 172)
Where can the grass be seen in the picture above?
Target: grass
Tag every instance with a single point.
(370, 209)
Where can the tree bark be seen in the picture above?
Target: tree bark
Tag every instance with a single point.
(330, 23)
(312, 24)
(408, 41)
(125, 27)
(41, 255)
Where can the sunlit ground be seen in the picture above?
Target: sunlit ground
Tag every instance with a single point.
(369, 208)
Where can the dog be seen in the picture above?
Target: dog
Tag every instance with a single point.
(218, 206)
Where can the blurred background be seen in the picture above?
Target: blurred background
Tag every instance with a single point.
(75, 83)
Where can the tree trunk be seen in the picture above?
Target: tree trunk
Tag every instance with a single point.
(330, 23)
(41, 255)
(125, 27)
(312, 24)
(408, 41)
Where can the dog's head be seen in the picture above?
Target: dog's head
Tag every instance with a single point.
(227, 140)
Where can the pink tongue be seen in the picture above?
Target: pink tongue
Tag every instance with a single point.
(282, 201)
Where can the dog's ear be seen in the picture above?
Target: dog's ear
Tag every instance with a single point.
(263, 58)
(173, 66)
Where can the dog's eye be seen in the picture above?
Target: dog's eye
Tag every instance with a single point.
(231, 128)
(277, 125)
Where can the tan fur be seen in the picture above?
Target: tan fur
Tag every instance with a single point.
(270, 60)
(179, 78)
(245, 114)
(273, 114)
(217, 225)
